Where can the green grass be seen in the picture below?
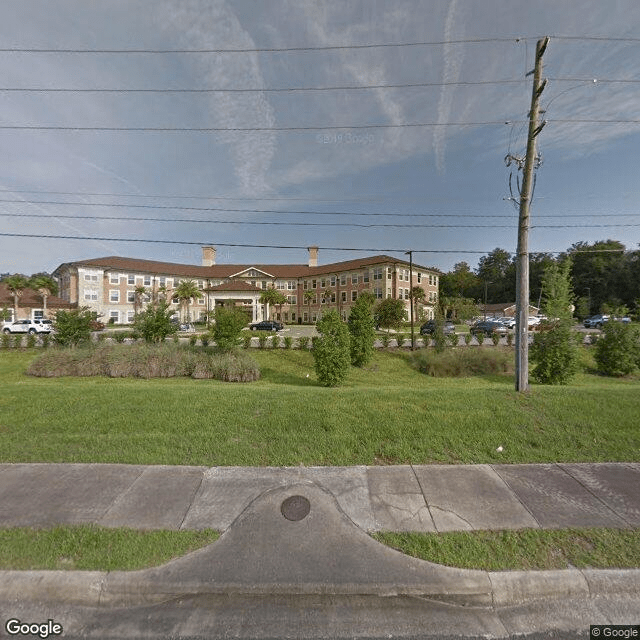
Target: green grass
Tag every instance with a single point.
(89, 547)
(385, 413)
(525, 549)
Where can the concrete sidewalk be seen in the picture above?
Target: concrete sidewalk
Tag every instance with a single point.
(395, 498)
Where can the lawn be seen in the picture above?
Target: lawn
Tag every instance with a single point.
(385, 413)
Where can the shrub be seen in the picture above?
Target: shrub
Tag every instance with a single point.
(362, 331)
(467, 338)
(593, 338)
(262, 341)
(246, 339)
(453, 339)
(227, 330)
(618, 350)
(205, 341)
(193, 340)
(45, 339)
(145, 361)
(288, 342)
(17, 341)
(6, 340)
(400, 338)
(495, 338)
(480, 338)
(303, 342)
(31, 341)
(460, 363)
(555, 355)
(331, 351)
(385, 338)
(120, 336)
(509, 339)
(73, 327)
(275, 341)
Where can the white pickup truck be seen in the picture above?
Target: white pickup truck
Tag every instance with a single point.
(28, 326)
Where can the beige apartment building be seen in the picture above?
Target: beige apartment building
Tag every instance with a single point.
(108, 285)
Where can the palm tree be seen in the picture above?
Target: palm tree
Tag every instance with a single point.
(16, 284)
(417, 295)
(137, 298)
(272, 296)
(308, 297)
(46, 286)
(185, 291)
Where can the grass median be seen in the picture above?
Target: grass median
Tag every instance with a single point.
(93, 548)
(386, 413)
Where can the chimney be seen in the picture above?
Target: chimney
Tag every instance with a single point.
(313, 256)
(208, 256)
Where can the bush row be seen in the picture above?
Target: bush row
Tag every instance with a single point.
(459, 363)
(145, 361)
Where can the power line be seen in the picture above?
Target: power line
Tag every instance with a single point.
(269, 246)
(273, 211)
(409, 85)
(261, 50)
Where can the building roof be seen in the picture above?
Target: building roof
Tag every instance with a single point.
(234, 285)
(228, 270)
(31, 299)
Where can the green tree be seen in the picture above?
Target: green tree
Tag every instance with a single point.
(331, 349)
(362, 330)
(154, 323)
(417, 295)
(185, 292)
(308, 296)
(618, 350)
(73, 327)
(272, 296)
(390, 313)
(138, 293)
(16, 284)
(555, 350)
(497, 272)
(227, 328)
(461, 282)
(46, 286)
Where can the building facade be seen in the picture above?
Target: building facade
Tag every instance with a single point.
(113, 286)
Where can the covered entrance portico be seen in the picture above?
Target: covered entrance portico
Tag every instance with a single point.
(237, 291)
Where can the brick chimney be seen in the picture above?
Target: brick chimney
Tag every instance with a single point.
(313, 256)
(208, 256)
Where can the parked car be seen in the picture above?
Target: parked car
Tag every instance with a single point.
(508, 322)
(29, 326)
(488, 328)
(596, 321)
(429, 328)
(267, 325)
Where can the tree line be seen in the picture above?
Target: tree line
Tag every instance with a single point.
(604, 276)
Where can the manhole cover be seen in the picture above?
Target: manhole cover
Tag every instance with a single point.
(295, 508)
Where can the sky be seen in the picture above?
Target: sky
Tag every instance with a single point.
(328, 152)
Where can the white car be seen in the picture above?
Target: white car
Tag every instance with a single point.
(29, 326)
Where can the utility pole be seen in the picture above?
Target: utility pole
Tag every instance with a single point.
(413, 341)
(522, 258)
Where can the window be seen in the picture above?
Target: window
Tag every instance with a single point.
(131, 279)
(130, 316)
(400, 293)
(435, 280)
(305, 284)
(280, 284)
(377, 292)
(264, 284)
(162, 281)
(343, 278)
(332, 281)
(354, 295)
(291, 285)
(292, 299)
(169, 283)
(114, 278)
(365, 276)
(201, 301)
(389, 273)
(377, 273)
(114, 295)
(406, 294)
(305, 317)
(200, 284)
(323, 283)
(147, 281)
(91, 295)
(89, 277)
(419, 277)
(115, 315)
(354, 278)
(406, 275)
(131, 296)
(314, 284)
(343, 296)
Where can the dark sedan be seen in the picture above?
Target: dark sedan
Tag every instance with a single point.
(267, 325)
(429, 328)
(488, 328)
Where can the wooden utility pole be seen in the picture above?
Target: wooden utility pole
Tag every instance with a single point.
(413, 340)
(522, 258)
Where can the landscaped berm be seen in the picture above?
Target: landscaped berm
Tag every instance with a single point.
(387, 412)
